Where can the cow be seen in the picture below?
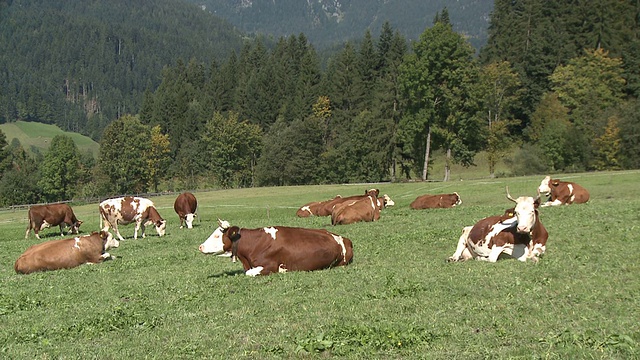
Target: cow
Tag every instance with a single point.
(185, 206)
(325, 208)
(125, 210)
(518, 233)
(365, 209)
(44, 216)
(440, 201)
(562, 192)
(66, 253)
(278, 249)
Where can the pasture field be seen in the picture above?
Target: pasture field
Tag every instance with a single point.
(399, 299)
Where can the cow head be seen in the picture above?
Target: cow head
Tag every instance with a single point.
(215, 244)
(189, 220)
(161, 226)
(388, 201)
(545, 186)
(525, 211)
(108, 241)
(458, 200)
(372, 192)
(75, 227)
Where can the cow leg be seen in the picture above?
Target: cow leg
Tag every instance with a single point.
(26, 236)
(495, 253)
(115, 227)
(255, 271)
(62, 228)
(462, 246)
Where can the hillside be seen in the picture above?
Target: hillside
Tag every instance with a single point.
(36, 135)
(81, 64)
(329, 22)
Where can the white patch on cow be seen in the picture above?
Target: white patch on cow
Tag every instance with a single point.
(44, 225)
(106, 256)
(497, 228)
(555, 202)
(306, 208)
(271, 231)
(282, 269)
(254, 271)
(77, 243)
(189, 220)
(340, 242)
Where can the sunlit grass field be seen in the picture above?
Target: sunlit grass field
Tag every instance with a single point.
(160, 298)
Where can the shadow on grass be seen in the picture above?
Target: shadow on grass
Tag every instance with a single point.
(226, 273)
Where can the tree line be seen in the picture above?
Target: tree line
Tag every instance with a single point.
(376, 112)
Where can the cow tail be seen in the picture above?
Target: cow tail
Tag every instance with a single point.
(26, 236)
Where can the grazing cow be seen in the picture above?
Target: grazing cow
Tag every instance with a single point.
(126, 210)
(325, 208)
(440, 201)
(517, 233)
(186, 206)
(44, 216)
(279, 248)
(365, 209)
(66, 253)
(562, 192)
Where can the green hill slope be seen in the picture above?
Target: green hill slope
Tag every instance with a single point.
(37, 135)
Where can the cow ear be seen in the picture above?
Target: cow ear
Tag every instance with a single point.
(555, 182)
(234, 233)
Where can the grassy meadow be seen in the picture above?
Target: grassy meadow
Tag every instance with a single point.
(39, 136)
(399, 299)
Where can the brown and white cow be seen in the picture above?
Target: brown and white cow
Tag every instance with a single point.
(562, 192)
(325, 208)
(125, 210)
(440, 201)
(44, 216)
(185, 206)
(366, 209)
(276, 249)
(66, 253)
(518, 233)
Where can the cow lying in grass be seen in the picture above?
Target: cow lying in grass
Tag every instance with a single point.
(518, 233)
(66, 253)
(276, 249)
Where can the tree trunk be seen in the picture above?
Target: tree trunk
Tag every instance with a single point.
(447, 165)
(426, 156)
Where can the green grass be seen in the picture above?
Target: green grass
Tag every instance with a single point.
(32, 134)
(161, 298)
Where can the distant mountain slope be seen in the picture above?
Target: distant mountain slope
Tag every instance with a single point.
(326, 22)
(37, 135)
(80, 64)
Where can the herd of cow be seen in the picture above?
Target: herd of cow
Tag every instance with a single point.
(518, 233)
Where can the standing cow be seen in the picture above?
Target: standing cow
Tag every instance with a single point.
(562, 192)
(517, 233)
(44, 216)
(66, 253)
(125, 210)
(276, 249)
(440, 201)
(186, 206)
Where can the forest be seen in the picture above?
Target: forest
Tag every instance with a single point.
(555, 89)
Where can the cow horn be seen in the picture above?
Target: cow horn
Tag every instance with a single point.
(509, 196)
